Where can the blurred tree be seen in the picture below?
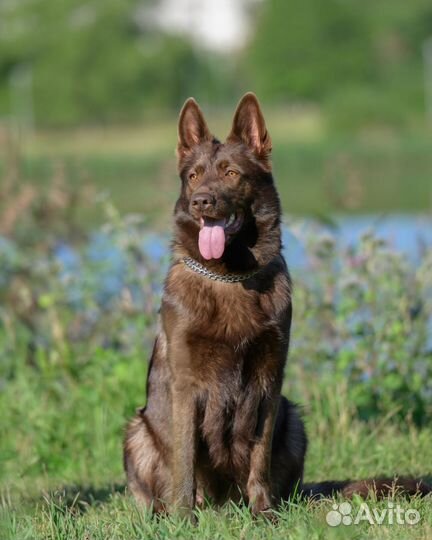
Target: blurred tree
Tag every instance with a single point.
(103, 60)
(302, 48)
(361, 59)
(92, 60)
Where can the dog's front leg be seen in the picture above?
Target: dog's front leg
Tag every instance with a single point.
(183, 390)
(259, 489)
(184, 447)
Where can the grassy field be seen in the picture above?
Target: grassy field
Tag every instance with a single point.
(62, 473)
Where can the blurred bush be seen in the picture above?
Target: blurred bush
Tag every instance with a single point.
(363, 61)
(362, 320)
(94, 62)
(302, 50)
(107, 61)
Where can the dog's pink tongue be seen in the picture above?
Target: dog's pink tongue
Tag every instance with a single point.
(211, 240)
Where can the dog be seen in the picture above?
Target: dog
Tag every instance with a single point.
(215, 424)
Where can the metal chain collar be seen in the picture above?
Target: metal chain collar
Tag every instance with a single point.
(224, 278)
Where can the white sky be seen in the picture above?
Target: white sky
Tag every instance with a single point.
(217, 24)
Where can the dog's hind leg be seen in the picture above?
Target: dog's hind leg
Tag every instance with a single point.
(288, 452)
(146, 469)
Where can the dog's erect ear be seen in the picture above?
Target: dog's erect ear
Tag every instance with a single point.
(249, 127)
(192, 129)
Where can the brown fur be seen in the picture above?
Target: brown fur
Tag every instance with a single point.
(215, 423)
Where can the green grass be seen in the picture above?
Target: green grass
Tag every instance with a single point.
(61, 465)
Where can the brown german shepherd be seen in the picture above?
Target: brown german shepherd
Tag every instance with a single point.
(215, 423)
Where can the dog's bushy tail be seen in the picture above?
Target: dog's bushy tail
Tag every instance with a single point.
(378, 487)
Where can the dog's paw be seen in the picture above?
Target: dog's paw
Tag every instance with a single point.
(200, 500)
(184, 511)
(260, 500)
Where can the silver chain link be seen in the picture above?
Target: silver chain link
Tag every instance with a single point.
(224, 278)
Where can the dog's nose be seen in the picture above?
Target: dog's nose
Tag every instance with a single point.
(203, 201)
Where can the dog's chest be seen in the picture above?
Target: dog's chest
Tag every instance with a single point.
(224, 312)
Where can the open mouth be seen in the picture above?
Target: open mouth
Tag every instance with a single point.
(214, 234)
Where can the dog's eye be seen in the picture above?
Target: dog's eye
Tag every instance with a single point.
(231, 173)
(193, 176)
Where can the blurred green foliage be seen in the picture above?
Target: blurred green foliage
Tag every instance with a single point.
(361, 60)
(305, 49)
(93, 61)
(105, 60)
(370, 308)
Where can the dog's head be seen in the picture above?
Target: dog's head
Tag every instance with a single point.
(228, 200)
